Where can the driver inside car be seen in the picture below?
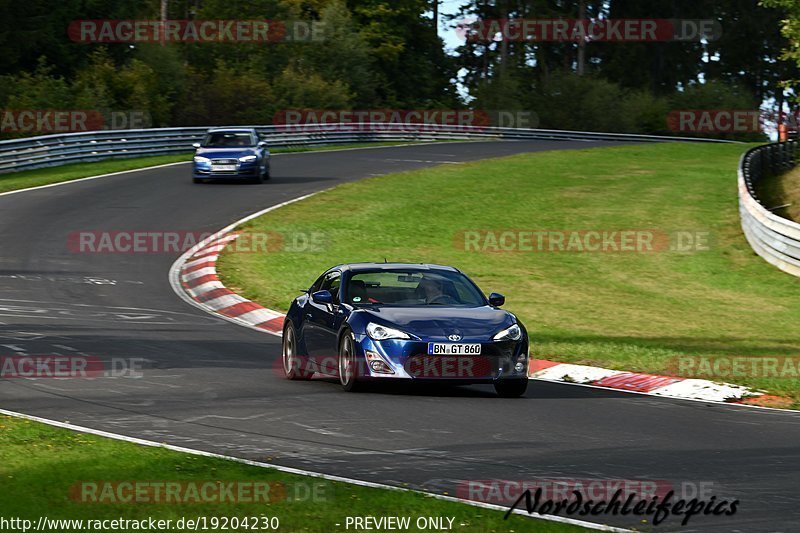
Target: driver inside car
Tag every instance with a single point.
(431, 290)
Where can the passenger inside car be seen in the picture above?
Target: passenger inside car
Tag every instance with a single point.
(358, 291)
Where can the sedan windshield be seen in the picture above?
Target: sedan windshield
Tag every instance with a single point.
(413, 288)
(227, 140)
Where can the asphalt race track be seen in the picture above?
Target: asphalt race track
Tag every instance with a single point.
(212, 385)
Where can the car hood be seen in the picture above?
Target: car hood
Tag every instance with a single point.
(225, 153)
(435, 322)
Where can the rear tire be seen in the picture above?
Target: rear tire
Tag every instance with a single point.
(295, 367)
(348, 364)
(511, 388)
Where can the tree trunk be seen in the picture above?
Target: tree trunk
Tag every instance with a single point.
(164, 9)
(436, 17)
(582, 44)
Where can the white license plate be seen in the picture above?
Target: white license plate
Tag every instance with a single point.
(223, 168)
(437, 348)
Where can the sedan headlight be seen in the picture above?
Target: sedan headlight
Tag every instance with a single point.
(201, 159)
(379, 333)
(514, 333)
(248, 159)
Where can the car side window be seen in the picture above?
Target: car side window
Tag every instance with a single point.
(317, 286)
(332, 283)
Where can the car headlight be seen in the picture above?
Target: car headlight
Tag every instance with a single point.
(248, 159)
(514, 333)
(201, 159)
(379, 333)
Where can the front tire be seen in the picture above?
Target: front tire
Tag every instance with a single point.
(262, 175)
(511, 388)
(348, 364)
(294, 367)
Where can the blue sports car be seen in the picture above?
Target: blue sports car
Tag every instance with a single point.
(231, 153)
(371, 322)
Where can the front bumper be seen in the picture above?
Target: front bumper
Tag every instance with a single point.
(243, 171)
(409, 360)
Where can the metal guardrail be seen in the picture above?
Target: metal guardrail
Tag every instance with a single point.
(774, 238)
(52, 150)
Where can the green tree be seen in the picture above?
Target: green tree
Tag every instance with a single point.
(40, 89)
(296, 89)
(227, 96)
(407, 56)
(568, 101)
(718, 95)
(31, 29)
(133, 87)
(790, 25)
(342, 55)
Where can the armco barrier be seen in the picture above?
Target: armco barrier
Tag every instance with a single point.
(51, 150)
(774, 238)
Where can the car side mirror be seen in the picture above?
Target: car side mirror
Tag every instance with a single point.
(196, 145)
(262, 144)
(496, 299)
(322, 297)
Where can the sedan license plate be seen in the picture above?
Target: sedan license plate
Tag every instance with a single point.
(437, 348)
(223, 168)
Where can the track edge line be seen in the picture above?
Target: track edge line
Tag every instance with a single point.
(298, 471)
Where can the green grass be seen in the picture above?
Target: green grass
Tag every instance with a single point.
(781, 194)
(40, 464)
(628, 311)
(46, 176)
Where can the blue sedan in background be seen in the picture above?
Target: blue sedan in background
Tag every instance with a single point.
(370, 322)
(231, 153)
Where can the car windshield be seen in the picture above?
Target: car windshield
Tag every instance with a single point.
(412, 288)
(228, 139)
